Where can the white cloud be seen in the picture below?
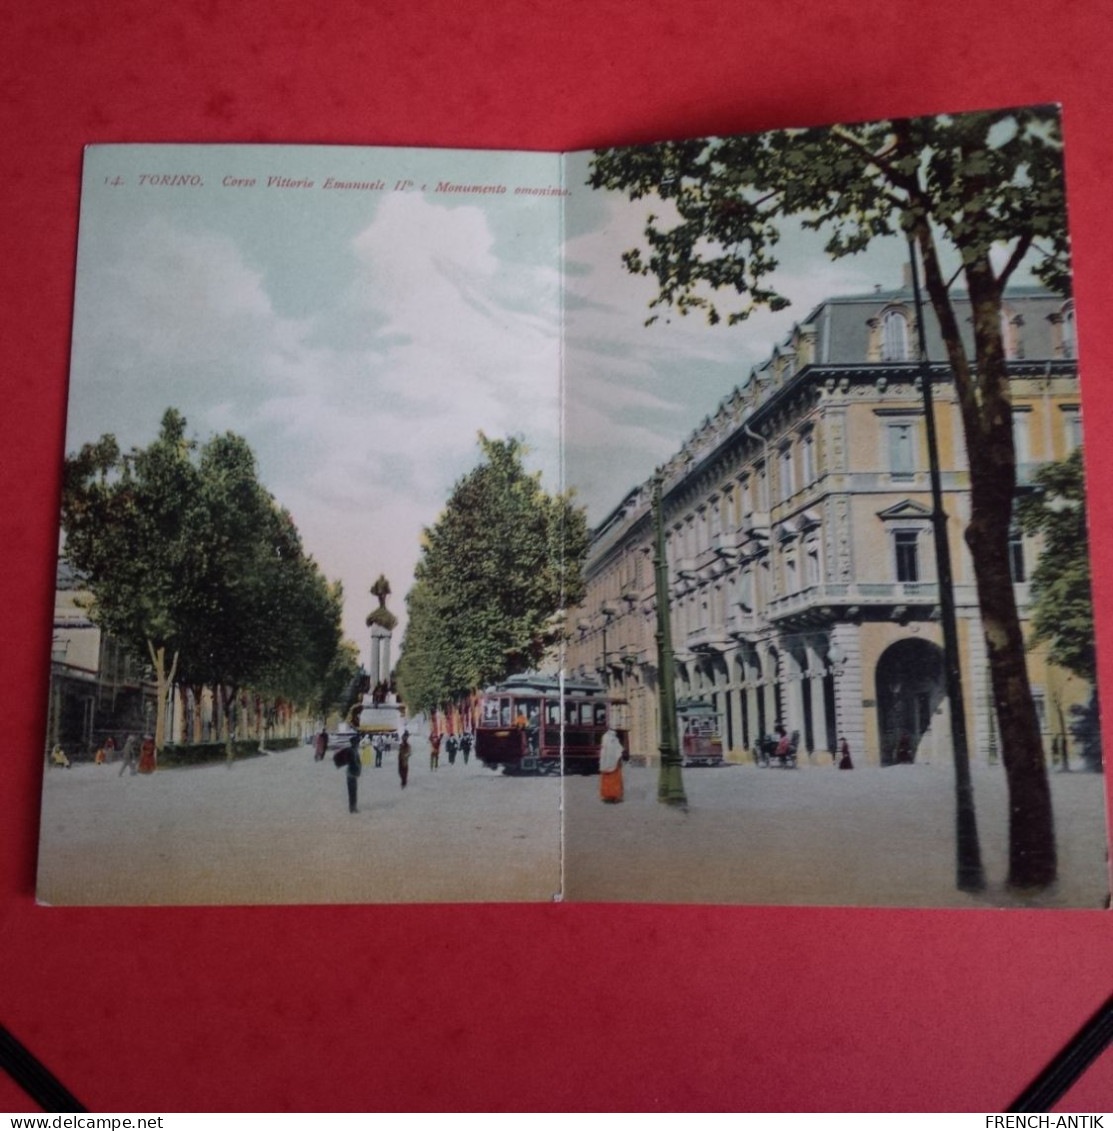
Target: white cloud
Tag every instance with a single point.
(363, 441)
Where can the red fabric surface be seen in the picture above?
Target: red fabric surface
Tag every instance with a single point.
(508, 1008)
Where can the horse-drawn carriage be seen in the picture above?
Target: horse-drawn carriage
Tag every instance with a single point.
(777, 749)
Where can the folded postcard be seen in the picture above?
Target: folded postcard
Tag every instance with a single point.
(696, 522)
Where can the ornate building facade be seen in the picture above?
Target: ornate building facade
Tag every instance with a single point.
(799, 541)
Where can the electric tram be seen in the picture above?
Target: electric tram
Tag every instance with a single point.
(700, 741)
(523, 721)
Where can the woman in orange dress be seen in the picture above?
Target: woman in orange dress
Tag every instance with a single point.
(147, 758)
(611, 756)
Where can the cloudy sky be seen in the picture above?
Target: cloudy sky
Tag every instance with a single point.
(360, 338)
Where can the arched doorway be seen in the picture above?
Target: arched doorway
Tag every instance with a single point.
(909, 689)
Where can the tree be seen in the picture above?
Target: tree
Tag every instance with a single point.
(1063, 607)
(503, 559)
(190, 560)
(342, 674)
(1062, 600)
(983, 185)
(126, 520)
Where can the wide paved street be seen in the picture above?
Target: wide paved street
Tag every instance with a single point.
(277, 830)
(880, 837)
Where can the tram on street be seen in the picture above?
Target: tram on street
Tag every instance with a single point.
(522, 722)
(701, 744)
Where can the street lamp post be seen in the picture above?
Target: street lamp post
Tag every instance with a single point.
(968, 857)
(607, 611)
(670, 781)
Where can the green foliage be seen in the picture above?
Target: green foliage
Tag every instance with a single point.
(201, 753)
(503, 559)
(334, 692)
(1063, 610)
(183, 549)
(979, 180)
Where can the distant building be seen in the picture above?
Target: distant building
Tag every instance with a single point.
(801, 560)
(97, 688)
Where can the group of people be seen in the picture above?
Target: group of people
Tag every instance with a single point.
(350, 757)
(139, 756)
(452, 746)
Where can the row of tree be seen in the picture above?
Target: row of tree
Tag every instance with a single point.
(496, 569)
(192, 564)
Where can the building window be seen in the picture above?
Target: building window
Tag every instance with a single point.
(761, 502)
(1072, 424)
(894, 336)
(906, 544)
(902, 451)
(791, 583)
(1067, 331)
(811, 563)
(788, 474)
(1016, 556)
(1021, 436)
(807, 459)
(746, 592)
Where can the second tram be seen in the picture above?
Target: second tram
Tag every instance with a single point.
(700, 741)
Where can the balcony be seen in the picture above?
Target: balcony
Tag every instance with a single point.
(686, 568)
(742, 624)
(708, 638)
(728, 544)
(818, 602)
(756, 524)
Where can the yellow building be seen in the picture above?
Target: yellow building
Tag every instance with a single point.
(801, 560)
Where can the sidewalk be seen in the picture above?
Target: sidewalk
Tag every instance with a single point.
(819, 836)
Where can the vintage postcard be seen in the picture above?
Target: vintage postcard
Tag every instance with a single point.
(697, 522)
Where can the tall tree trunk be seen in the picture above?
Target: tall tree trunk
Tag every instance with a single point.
(163, 681)
(1032, 855)
(198, 722)
(986, 406)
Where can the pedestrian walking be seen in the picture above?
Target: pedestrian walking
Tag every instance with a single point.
(130, 755)
(148, 756)
(378, 743)
(434, 751)
(404, 758)
(465, 746)
(320, 746)
(611, 757)
(451, 745)
(58, 758)
(844, 755)
(354, 768)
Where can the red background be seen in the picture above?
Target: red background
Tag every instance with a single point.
(498, 1007)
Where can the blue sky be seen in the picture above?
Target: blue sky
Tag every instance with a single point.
(359, 339)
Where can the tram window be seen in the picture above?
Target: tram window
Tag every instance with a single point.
(504, 712)
(522, 711)
(490, 712)
(552, 714)
(600, 714)
(577, 714)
